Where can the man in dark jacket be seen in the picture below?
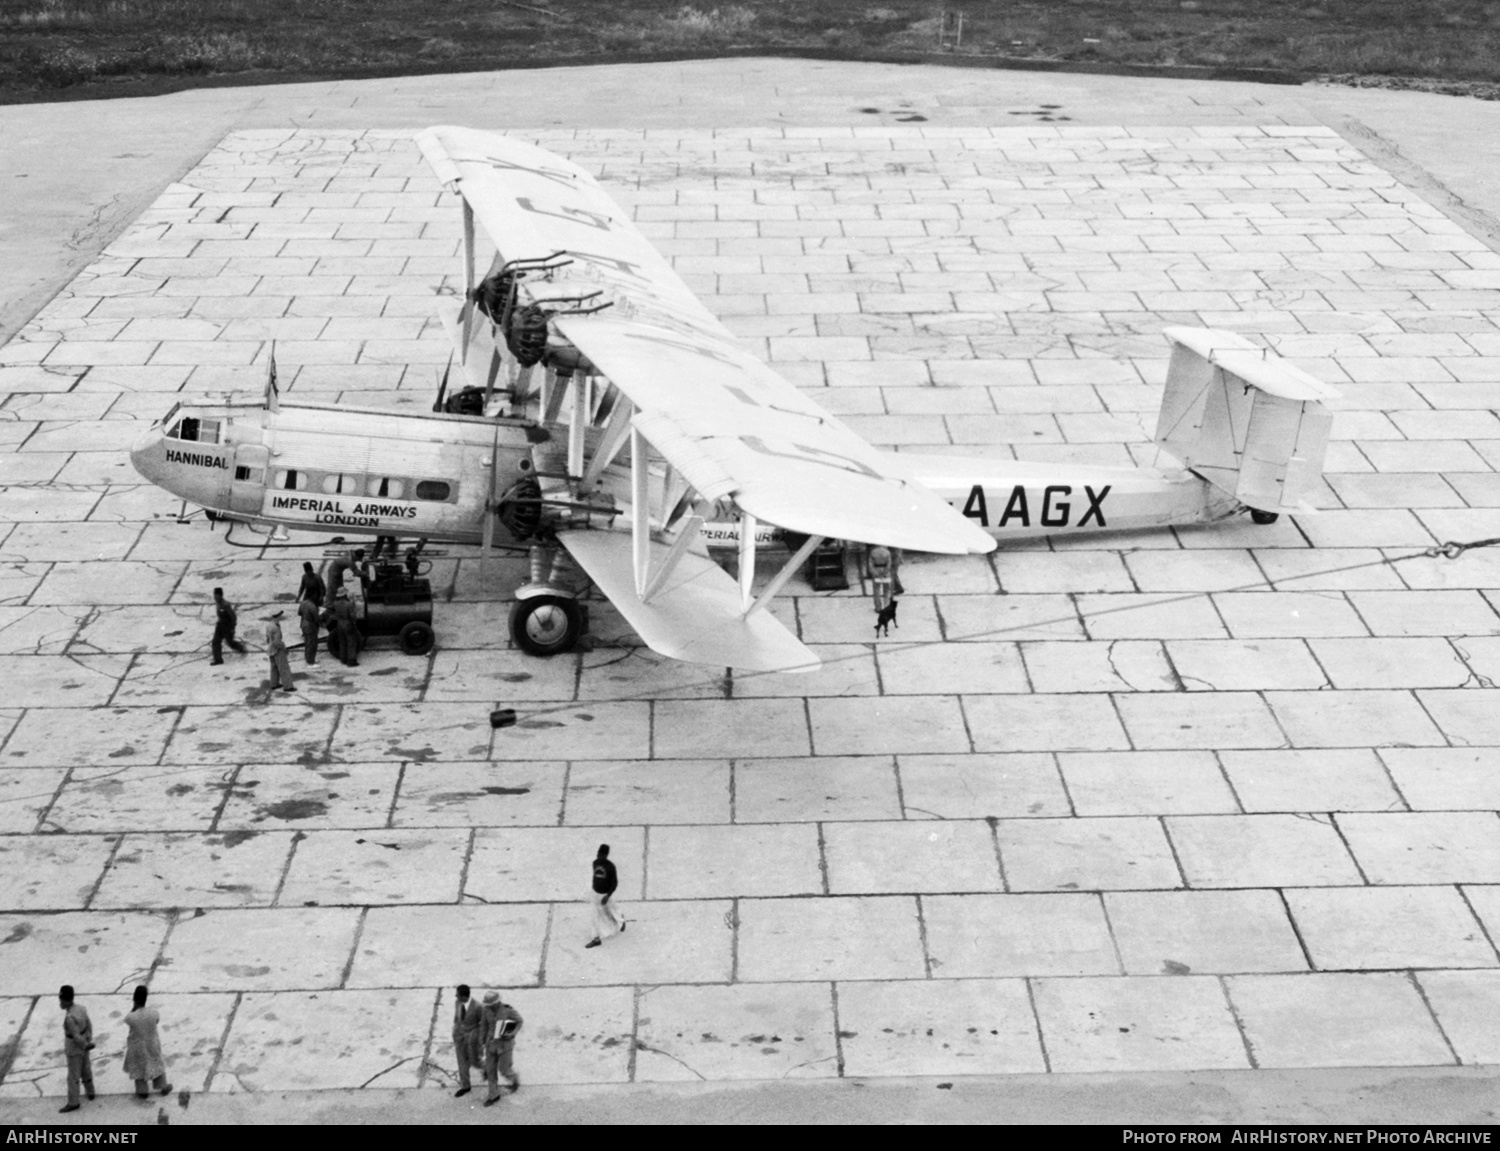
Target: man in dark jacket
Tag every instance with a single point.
(224, 625)
(468, 1040)
(78, 1041)
(345, 631)
(606, 919)
(312, 587)
(307, 617)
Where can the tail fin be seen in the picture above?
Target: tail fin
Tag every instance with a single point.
(1246, 421)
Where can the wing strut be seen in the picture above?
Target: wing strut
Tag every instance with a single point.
(640, 509)
(680, 547)
(579, 423)
(614, 438)
(647, 582)
(747, 560)
(796, 560)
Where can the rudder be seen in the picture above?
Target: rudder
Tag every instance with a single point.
(1245, 420)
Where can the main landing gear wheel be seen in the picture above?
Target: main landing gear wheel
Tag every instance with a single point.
(546, 624)
(1259, 517)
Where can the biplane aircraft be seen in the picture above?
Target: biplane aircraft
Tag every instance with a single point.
(612, 424)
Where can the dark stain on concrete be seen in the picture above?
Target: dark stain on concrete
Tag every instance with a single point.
(17, 933)
(293, 809)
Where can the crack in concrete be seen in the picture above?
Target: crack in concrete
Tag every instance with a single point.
(388, 1070)
(641, 1045)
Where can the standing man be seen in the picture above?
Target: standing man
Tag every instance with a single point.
(353, 561)
(605, 882)
(143, 1059)
(346, 633)
(224, 625)
(78, 1041)
(281, 667)
(312, 587)
(501, 1023)
(468, 1046)
(307, 616)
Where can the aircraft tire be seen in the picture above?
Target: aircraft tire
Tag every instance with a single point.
(416, 638)
(1261, 517)
(546, 625)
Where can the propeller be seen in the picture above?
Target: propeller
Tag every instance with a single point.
(443, 385)
(466, 314)
(491, 504)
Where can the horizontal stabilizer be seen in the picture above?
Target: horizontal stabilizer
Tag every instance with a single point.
(697, 616)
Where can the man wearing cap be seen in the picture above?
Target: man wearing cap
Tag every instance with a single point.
(307, 618)
(346, 634)
(606, 921)
(468, 1045)
(78, 1041)
(500, 1026)
(281, 667)
(224, 625)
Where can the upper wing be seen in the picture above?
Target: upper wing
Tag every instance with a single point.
(726, 421)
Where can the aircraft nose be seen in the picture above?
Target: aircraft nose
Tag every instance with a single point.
(145, 453)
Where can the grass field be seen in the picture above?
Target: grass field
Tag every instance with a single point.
(52, 49)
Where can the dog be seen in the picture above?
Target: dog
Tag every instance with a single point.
(885, 617)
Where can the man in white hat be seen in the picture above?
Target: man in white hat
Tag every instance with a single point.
(281, 667)
(501, 1024)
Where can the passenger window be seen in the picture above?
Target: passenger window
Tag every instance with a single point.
(253, 475)
(337, 485)
(432, 490)
(386, 487)
(292, 481)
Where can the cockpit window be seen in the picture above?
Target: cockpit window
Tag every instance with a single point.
(193, 428)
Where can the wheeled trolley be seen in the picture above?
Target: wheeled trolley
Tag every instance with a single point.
(396, 603)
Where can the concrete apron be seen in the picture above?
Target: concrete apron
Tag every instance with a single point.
(75, 174)
(1407, 1097)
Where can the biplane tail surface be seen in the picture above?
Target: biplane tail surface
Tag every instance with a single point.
(1245, 420)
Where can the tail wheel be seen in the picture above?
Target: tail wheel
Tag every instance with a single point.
(1260, 517)
(546, 624)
